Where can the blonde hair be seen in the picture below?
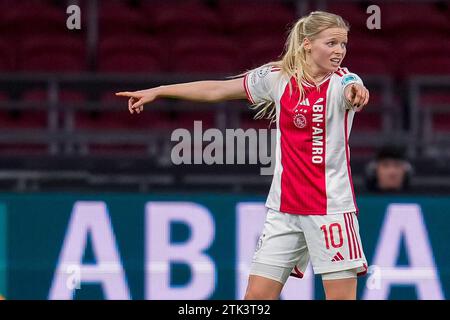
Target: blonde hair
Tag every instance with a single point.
(293, 62)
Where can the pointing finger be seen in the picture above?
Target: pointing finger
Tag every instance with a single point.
(128, 94)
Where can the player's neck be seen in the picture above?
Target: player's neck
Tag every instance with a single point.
(317, 75)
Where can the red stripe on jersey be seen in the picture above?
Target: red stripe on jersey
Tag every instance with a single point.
(303, 185)
(340, 256)
(247, 92)
(352, 226)
(347, 157)
(343, 70)
(350, 249)
(338, 73)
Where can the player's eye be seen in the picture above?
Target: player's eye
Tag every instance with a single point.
(344, 44)
(330, 44)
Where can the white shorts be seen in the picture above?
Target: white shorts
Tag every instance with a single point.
(289, 241)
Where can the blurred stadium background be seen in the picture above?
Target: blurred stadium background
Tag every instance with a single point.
(69, 146)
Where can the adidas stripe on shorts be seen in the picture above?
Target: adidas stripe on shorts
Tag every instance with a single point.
(290, 241)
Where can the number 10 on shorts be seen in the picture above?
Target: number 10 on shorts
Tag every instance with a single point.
(330, 235)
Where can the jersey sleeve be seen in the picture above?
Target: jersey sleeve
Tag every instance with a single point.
(347, 79)
(260, 84)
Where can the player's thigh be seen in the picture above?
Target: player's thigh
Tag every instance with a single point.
(262, 288)
(340, 289)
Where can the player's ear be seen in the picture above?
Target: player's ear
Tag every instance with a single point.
(307, 44)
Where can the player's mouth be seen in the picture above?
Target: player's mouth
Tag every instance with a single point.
(336, 61)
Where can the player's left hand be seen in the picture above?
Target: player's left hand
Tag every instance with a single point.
(356, 95)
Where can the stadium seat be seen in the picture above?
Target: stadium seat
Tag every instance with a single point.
(96, 120)
(7, 54)
(206, 54)
(21, 120)
(260, 50)
(162, 118)
(420, 57)
(109, 117)
(353, 12)
(207, 64)
(397, 20)
(365, 65)
(366, 152)
(192, 17)
(434, 98)
(247, 122)
(368, 56)
(365, 121)
(440, 122)
(64, 95)
(116, 18)
(186, 119)
(65, 99)
(23, 149)
(52, 54)
(130, 53)
(254, 17)
(96, 149)
(34, 17)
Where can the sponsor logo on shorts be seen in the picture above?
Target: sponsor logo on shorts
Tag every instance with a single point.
(337, 257)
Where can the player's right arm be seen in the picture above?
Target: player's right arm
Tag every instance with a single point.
(199, 91)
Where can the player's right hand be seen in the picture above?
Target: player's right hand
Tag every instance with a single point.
(137, 99)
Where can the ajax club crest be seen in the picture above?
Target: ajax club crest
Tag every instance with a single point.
(300, 121)
(300, 114)
(300, 118)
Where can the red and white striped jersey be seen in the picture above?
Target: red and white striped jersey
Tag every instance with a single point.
(312, 174)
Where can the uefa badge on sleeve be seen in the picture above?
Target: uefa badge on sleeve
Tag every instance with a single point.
(264, 71)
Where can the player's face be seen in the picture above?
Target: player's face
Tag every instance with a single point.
(328, 49)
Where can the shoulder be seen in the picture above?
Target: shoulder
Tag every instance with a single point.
(264, 74)
(266, 71)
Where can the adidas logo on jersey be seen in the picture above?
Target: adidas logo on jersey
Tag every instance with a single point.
(305, 102)
(337, 257)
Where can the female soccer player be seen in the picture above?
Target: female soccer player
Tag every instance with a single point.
(312, 212)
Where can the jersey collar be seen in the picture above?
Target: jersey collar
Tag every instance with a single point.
(307, 83)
